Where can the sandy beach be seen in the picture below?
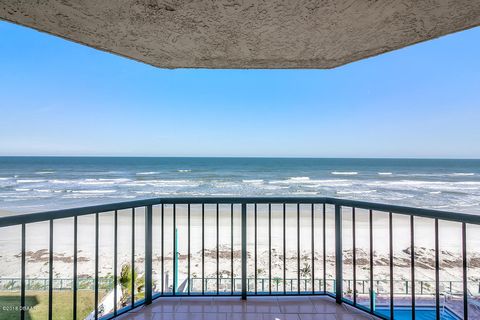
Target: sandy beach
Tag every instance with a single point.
(4, 213)
(37, 253)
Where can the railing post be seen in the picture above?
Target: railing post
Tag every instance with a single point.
(96, 265)
(465, 278)
(338, 254)
(244, 251)
(115, 260)
(22, 288)
(50, 273)
(148, 254)
(75, 269)
(437, 272)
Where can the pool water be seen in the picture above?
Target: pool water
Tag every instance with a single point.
(421, 313)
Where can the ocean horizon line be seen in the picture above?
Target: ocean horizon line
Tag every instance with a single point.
(236, 157)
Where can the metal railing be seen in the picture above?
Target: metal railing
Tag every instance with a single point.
(301, 217)
(424, 288)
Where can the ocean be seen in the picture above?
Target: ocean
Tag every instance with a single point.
(34, 184)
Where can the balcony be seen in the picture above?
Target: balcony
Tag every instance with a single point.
(229, 258)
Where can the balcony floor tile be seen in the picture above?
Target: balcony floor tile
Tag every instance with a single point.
(254, 308)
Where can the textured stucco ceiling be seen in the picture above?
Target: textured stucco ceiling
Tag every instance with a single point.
(248, 33)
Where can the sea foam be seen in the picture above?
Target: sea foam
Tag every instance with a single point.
(253, 181)
(345, 173)
(148, 173)
(30, 181)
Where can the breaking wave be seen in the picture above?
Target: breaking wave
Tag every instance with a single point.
(344, 173)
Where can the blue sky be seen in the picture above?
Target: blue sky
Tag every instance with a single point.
(62, 98)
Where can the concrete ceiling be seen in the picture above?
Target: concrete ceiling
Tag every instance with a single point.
(245, 33)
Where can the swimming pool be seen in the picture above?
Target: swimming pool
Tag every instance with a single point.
(421, 313)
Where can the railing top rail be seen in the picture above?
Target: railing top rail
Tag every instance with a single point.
(411, 211)
(72, 212)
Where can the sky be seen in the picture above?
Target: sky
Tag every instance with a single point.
(61, 98)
